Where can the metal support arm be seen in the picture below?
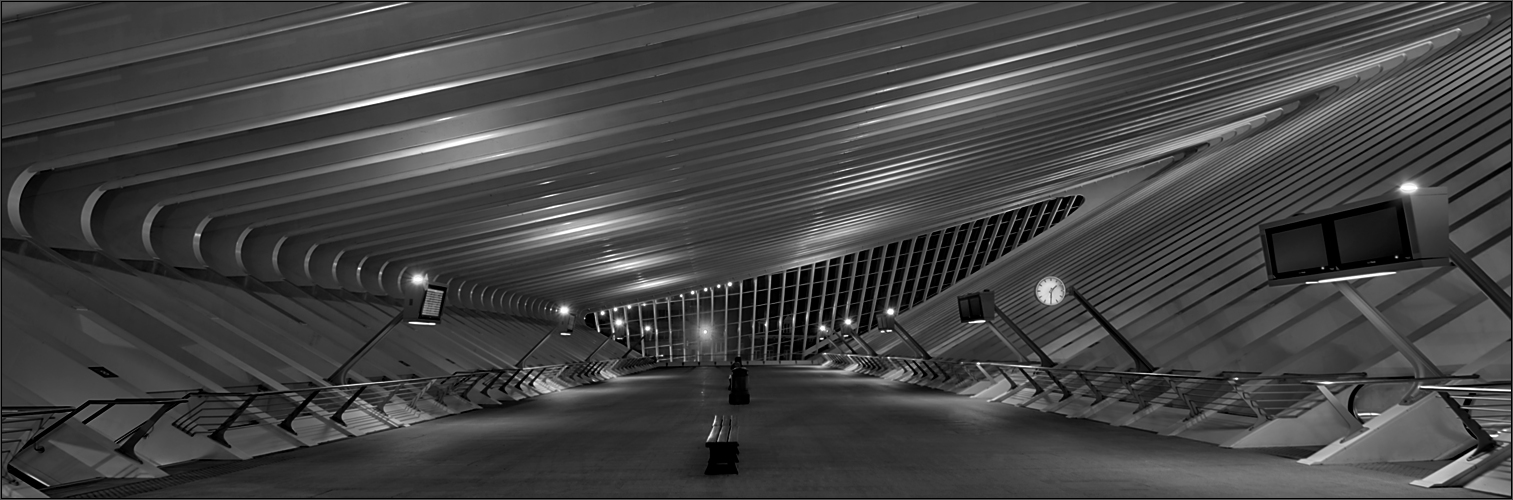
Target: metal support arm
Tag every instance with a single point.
(1422, 367)
(339, 377)
(1044, 359)
(1487, 285)
(553, 331)
(898, 328)
(1140, 361)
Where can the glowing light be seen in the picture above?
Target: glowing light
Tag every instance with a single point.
(823, 329)
(564, 311)
(706, 288)
(601, 313)
(978, 321)
(1345, 278)
(716, 285)
(891, 311)
(418, 279)
(619, 322)
(848, 321)
(423, 323)
(1408, 187)
(729, 283)
(646, 328)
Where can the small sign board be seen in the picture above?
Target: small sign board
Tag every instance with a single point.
(430, 306)
(101, 371)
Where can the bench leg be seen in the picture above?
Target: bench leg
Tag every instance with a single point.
(722, 460)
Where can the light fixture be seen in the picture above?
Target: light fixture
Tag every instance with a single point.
(729, 283)
(619, 322)
(601, 313)
(564, 310)
(891, 311)
(646, 328)
(423, 323)
(1408, 187)
(823, 329)
(848, 321)
(706, 288)
(418, 279)
(716, 285)
(1344, 278)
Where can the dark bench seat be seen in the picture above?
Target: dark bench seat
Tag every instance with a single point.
(723, 446)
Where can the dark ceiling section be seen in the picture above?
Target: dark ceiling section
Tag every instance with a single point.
(588, 153)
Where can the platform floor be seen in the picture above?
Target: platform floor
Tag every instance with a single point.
(809, 432)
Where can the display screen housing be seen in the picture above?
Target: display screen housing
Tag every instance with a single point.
(1351, 238)
(430, 306)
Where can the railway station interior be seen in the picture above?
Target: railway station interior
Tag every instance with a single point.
(755, 249)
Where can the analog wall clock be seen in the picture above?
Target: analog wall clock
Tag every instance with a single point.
(1050, 290)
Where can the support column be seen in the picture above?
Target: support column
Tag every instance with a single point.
(1487, 285)
(888, 322)
(1422, 367)
(339, 377)
(1044, 359)
(553, 331)
(1140, 361)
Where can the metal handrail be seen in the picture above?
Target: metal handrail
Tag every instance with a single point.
(1487, 387)
(218, 412)
(127, 441)
(1275, 398)
(1477, 426)
(1387, 380)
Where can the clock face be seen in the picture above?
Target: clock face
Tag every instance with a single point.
(1050, 290)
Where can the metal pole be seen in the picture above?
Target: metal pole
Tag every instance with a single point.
(1479, 276)
(1001, 337)
(549, 333)
(909, 339)
(1044, 359)
(1140, 361)
(339, 377)
(1422, 367)
(860, 340)
(608, 338)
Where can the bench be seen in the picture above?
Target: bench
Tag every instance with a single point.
(723, 446)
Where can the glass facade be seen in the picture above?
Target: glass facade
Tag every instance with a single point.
(787, 315)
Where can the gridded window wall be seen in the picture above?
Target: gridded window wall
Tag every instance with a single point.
(787, 315)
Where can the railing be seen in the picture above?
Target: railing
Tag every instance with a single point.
(27, 426)
(20, 424)
(1482, 408)
(1263, 398)
(216, 413)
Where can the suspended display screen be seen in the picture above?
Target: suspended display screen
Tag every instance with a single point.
(1383, 234)
(975, 307)
(430, 306)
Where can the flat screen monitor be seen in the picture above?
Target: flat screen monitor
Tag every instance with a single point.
(1298, 249)
(1375, 236)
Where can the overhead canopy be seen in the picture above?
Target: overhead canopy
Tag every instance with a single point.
(594, 153)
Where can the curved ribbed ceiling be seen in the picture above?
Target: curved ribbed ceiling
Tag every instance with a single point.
(590, 153)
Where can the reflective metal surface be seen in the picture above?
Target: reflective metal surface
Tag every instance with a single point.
(536, 154)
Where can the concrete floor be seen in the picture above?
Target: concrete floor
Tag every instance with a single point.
(809, 432)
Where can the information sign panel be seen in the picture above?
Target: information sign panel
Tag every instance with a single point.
(430, 307)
